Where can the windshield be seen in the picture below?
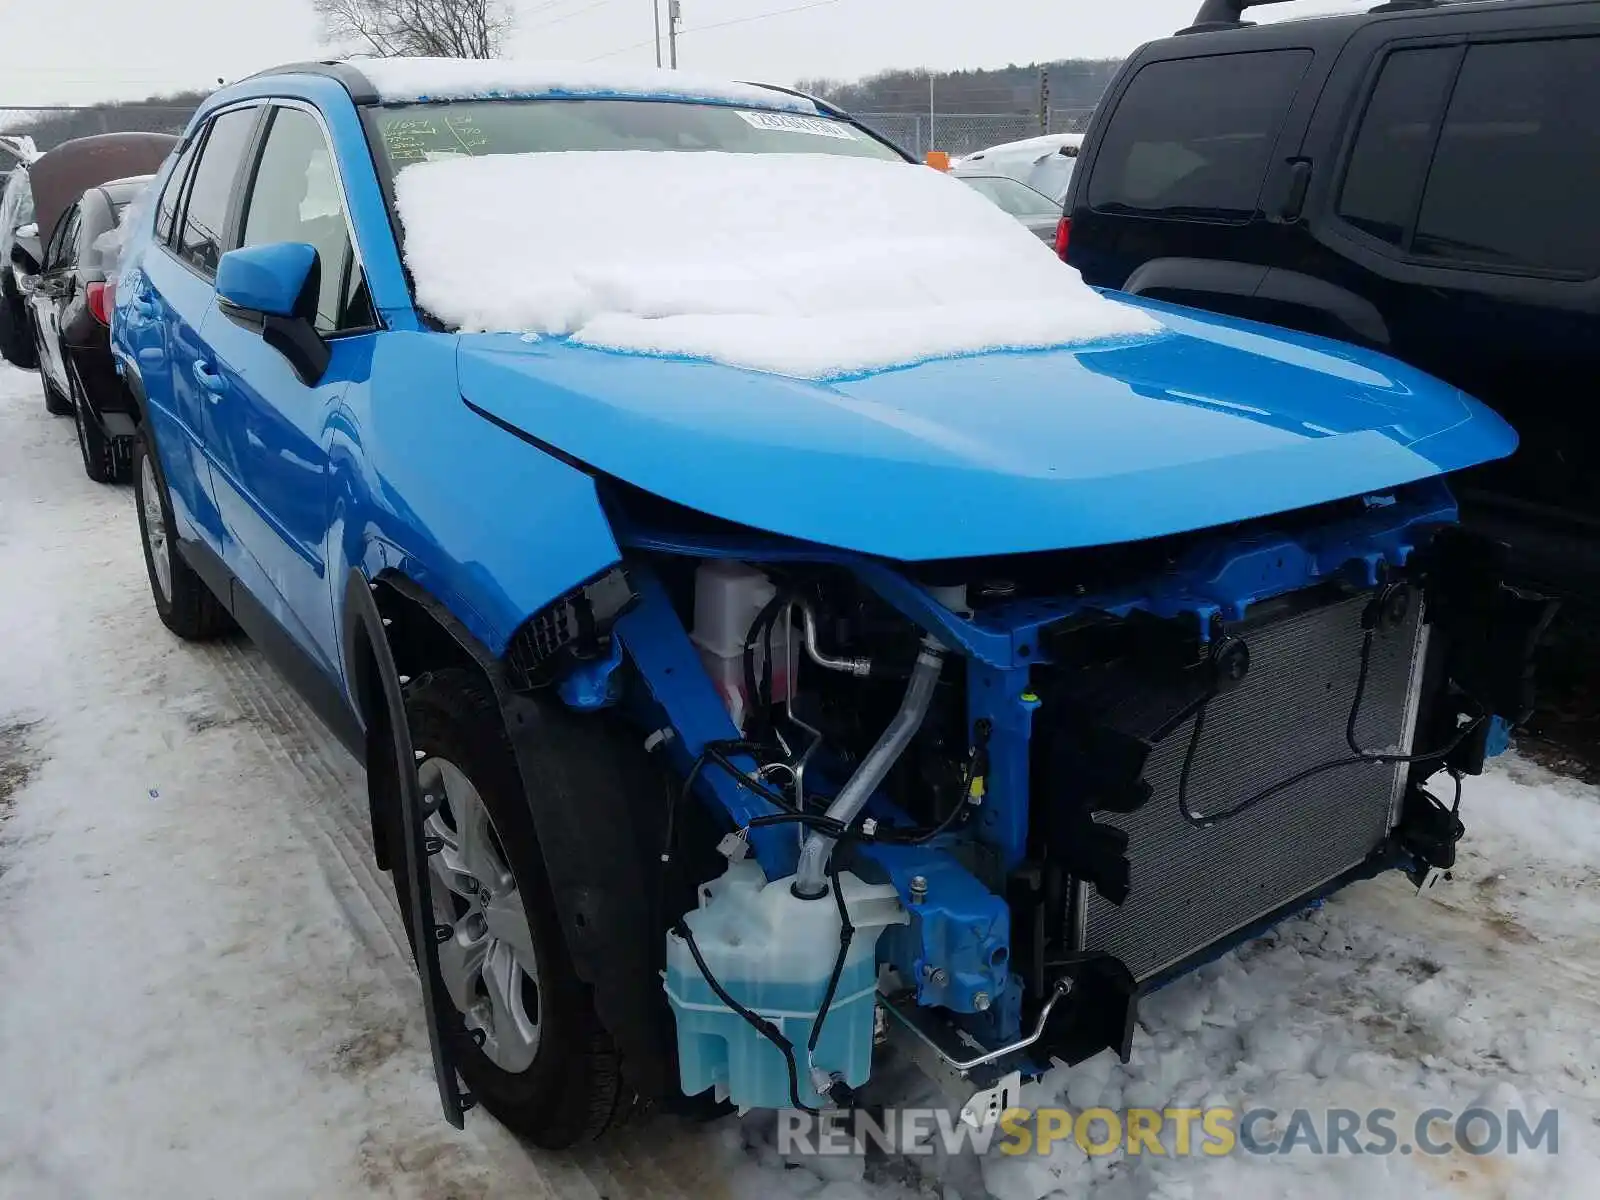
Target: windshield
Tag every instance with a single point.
(413, 133)
(1018, 199)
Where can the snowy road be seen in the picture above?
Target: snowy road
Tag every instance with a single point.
(203, 992)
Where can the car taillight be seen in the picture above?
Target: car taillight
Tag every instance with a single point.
(102, 298)
(1063, 236)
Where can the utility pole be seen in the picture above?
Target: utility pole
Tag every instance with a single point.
(933, 143)
(674, 15)
(1044, 100)
(655, 8)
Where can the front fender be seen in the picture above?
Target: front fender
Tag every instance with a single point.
(491, 526)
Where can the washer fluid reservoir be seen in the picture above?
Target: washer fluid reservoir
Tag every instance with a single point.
(773, 953)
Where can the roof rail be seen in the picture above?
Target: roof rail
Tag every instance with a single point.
(348, 74)
(1223, 14)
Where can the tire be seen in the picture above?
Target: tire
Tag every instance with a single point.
(183, 601)
(55, 403)
(104, 459)
(568, 1087)
(17, 344)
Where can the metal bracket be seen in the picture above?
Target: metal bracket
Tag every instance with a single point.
(984, 1108)
(981, 1086)
(1430, 879)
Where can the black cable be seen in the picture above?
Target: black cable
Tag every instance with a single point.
(755, 1020)
(975, 760)
(1206, 821)
(847, 933)
(1355, 714)
(761, 629)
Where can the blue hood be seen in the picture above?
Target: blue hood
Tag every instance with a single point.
(1207, 422)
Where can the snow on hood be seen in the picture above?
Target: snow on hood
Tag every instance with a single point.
(403, 79)
(814, 266)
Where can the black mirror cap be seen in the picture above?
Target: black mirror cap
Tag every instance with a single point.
(298, 341)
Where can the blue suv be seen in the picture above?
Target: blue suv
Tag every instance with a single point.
(779, 607)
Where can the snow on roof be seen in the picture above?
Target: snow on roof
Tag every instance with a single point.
(402, 79)
(810, 265)
(1042, 143)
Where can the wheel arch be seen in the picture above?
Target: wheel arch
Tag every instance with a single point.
(584, 821)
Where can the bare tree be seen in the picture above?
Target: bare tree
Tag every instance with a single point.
(439, 28)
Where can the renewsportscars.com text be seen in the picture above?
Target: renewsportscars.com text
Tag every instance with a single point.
(1178, 1132)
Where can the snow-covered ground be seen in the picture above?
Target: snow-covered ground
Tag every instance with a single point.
(203, 991)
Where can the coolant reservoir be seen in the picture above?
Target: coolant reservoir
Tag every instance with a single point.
(773, 953)
(728, 597)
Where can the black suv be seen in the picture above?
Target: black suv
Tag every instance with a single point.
(1423, 178)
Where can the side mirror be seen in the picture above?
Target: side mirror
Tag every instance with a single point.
(274, 288)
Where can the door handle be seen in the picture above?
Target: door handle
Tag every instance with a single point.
(209, 380)
(1295, 188)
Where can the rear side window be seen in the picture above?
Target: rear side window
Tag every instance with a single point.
(63, 247)
(205, 216)
(172, 194)
(1193, 137)
(1389, 162)
(1516, 179)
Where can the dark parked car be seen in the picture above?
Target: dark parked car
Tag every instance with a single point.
(71, 301)
(1420, 178)
(55, 183)
(16, 213)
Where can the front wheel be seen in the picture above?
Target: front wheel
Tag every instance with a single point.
(527, 1041)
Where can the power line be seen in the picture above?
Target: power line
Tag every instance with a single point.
(761, 16)
(545, 7)
(719, 25)
(577, 12)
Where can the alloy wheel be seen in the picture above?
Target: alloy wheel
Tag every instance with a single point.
(489, 965)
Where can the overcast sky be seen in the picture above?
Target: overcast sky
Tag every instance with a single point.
(70, 51)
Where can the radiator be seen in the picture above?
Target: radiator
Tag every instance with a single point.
(1193, 886)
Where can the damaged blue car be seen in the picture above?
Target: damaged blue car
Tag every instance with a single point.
(799, 622)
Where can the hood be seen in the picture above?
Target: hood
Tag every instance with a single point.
(1205, 422)
(72, 168)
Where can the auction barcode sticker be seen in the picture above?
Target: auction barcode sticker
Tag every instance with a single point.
(790, 123)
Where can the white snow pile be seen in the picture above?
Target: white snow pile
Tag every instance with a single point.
(402, 79)
(809, 265)
(110, 244)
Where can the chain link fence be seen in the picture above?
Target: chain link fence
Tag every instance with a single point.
(966, 133)
(50, 126)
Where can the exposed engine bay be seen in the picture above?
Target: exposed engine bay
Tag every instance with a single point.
(977, 809)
